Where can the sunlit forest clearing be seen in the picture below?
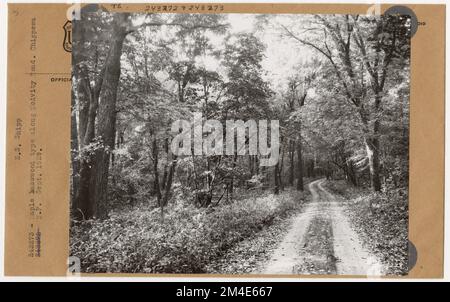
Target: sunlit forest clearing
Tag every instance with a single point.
(338, 88)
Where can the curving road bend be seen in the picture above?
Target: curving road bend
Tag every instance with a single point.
(321, 241)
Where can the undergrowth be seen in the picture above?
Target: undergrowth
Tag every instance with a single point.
(137, 240)
(382, 221)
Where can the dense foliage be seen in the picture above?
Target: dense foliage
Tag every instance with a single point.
(135, 240)
(382, 221)
(337, 84)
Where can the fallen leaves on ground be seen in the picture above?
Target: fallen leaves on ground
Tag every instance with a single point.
(381, 220)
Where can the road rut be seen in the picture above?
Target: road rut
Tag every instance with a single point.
(321, 240)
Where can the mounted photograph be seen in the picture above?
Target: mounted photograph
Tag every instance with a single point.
(240, 144)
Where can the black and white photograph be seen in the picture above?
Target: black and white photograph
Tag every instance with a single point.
(240, 144)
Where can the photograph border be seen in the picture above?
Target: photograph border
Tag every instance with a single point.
(426, 182)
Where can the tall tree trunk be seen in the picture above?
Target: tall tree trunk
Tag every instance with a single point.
(155, 171)
(351, 173)
(74, 146)
(231, 186)
(280, 170)
(168, 185)
(87, 104)
(372, 148)
(107, 119)
(277, 179)
(250, 165)
(166, 166)
(291, 164)
(372, 144)
(87, 110)
(299, 165)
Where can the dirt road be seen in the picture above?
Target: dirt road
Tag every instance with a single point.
(320, 240)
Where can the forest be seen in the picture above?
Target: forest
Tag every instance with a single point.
(338, 87)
